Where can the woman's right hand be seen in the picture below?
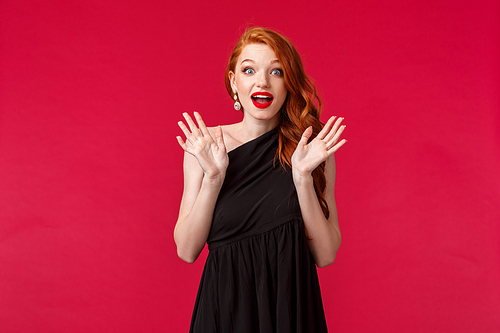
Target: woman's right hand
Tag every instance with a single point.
(211, 154)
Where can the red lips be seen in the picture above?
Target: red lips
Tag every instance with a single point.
(262, 99)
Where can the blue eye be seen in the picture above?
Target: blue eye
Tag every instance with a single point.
(248, 70)
(277, 71)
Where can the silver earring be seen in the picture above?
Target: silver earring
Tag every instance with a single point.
(237, 105)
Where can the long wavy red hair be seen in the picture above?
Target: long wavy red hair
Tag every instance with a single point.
(302, 106)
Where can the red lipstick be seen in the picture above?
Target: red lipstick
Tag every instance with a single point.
(262, 99)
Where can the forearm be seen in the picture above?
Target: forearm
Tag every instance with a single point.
(191, 231)
(323, 234)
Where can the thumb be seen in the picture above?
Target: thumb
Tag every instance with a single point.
(305, 136)
(220, 139)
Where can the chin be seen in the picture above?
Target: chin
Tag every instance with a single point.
(264, 114)
(261, 114)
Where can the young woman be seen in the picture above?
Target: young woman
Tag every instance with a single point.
(261, 194)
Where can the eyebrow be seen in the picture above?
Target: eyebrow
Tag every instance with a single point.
(250, 60)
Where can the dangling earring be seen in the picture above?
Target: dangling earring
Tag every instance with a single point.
(237, 105)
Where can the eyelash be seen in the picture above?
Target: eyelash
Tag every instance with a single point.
(246, 69)
(279, 70)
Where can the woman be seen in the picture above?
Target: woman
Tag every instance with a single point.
(261, 193)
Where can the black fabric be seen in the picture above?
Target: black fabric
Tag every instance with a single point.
(259, 275)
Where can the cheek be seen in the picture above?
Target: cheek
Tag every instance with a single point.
(282, 97)
(240, 85)
(283, 93)
(282, 90)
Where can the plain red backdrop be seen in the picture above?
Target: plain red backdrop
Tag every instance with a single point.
(91, 179)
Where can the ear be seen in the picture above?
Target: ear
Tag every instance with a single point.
(232, 79)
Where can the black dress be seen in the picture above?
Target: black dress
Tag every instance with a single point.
(259, 275)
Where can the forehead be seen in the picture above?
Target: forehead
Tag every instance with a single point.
(257, 53)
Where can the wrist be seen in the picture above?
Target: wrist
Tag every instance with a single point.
(214, 179)
(302, 178)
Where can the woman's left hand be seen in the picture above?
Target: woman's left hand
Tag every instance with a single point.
(308, 156)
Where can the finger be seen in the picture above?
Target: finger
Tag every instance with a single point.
(220, 138)
(181, 142)
(337, 146)
(201, 124)
(305, 136)
(325, 128)
(334, 129)
(192, 126)
(336, 137)
(184, 129)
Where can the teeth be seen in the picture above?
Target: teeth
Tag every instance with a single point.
(261, 96)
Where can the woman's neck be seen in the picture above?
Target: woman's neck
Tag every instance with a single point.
(250, 128)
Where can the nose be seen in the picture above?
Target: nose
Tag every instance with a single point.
(262, 80)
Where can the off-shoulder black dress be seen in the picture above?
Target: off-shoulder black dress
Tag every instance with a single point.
(259, 275)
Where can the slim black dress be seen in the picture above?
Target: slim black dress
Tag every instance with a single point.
(259, 275)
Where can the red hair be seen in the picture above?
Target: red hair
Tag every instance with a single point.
(301, 108)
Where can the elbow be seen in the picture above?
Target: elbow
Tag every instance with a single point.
(327, 261)
(184, 253)
(329, 255)
(188, 254)
(189, 260)
(187, 257)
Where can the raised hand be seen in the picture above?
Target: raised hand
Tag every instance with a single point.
(308, 156)
(210, 153)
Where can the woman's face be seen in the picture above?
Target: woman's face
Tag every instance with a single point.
(258, 80)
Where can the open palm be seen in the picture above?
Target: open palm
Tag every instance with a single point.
(308, 156)
(210, 153)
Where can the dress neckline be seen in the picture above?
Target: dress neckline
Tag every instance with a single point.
(253, 140)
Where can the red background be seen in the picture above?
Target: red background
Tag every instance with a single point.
(91, 179)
